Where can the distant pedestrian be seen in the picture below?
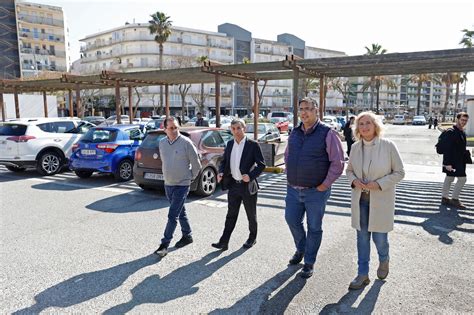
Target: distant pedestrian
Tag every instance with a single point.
(435, 123)
(430, 122)
(180, 165)
(314, 160)
(455, 158)
(200, 122)
(178, 118)
(374, 169)
(348, 134)
(243, 162)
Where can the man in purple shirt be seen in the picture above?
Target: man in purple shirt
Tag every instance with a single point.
(314, 160)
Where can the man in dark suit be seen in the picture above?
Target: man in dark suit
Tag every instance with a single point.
(243, 162)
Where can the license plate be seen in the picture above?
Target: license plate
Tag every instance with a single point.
(153, 176)
(88, 152)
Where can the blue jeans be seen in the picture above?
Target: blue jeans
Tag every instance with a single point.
(312, 202)
(363, 241)
(176, 196)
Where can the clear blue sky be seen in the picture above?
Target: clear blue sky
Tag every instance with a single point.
(399, 26)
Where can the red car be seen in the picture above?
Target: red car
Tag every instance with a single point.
(281, 123)
(210, 143)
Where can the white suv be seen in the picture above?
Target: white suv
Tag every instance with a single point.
(43, 143)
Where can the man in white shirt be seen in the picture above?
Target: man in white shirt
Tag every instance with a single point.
(243, 162)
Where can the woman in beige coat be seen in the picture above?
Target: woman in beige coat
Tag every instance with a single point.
(374, 169)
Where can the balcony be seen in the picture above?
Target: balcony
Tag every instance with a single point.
(43, 52)
(217, 45)
(42, 36)
(40, 20)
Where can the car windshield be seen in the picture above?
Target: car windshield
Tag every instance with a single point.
(152, 140)
(277, 119)
(12, 129)
(250, 128)
(100, 135)
(419, 117)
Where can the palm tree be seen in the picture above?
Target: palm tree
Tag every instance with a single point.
(458, 78)
(160, 26)
(419, 79)
(201, 60)
(447, 79)
(375, 82)
(467, 38)
(466, 41)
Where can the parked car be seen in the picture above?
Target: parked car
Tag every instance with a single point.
(96, 120)
(155, 124)
(382, 118)
(41, 143)
(332, 122)
(210, 142)
(398, 120)
(275, 114)
(419, 120)
(281, 123)
(266, 132)
(107, 150)
(112, 120)
(225, 122)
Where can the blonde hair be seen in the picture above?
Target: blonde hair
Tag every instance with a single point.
(374, 119)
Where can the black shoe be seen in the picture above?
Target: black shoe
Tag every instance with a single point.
(297, 258)
(162, 251)
(249, 243)
(220, 246)
(307, 271)
(185, 240)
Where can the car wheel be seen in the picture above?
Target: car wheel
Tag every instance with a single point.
(49, 163)
(83, 174)
(207, 182)
(124, 171)
(15, 169)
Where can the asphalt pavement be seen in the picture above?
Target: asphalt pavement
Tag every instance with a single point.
(71, 245)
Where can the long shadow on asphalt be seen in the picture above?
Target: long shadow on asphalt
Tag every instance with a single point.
(181, 282)
(130, 202)
(260, 298)
(345, 303)
(444, 222)
(87, 286)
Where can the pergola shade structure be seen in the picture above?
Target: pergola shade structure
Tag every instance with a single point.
(440, 61)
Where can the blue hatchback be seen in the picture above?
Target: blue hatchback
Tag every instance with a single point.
(107, 150)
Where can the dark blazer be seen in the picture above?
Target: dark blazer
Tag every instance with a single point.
(252, 162)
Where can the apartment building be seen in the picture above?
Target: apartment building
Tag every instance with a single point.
(402, 97)
(10, 60)
(277, 94)
(131, 47)
(42, 39)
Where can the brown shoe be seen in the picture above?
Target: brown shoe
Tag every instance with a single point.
(359, 282)
(458, 204)
(382, 272)
(445, 201)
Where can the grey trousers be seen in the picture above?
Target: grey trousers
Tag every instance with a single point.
(457, 187)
